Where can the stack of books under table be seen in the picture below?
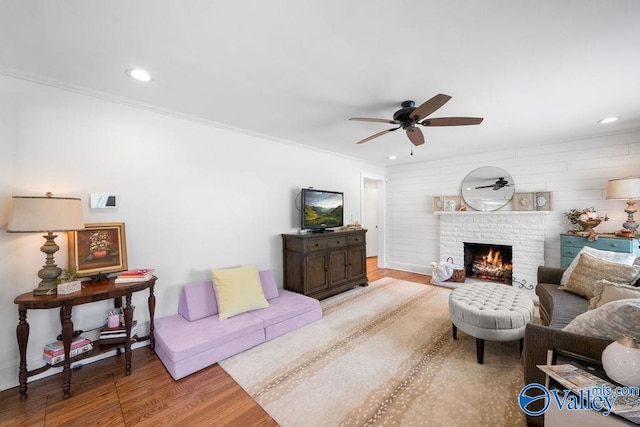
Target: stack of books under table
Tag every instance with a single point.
(139, 275)
(118, 334)
(54, 352)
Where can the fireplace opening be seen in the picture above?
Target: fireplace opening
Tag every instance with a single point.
(488, 262)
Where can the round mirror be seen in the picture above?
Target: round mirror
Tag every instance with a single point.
(487, 188)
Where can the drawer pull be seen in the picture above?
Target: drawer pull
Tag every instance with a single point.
(614, 245)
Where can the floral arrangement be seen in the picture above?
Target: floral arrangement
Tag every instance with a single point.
(99, 241)
(577, 217)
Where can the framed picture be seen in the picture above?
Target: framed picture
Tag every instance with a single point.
(446, 203)
(543, 200)
(98, 249)
(438, 203)
(524, 202)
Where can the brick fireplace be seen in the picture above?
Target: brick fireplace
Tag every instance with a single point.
(522, 231)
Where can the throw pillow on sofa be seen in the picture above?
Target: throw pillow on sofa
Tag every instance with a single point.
(238, 290)
(618, 257)
(607, 291)
(609, 321)
(590, 270)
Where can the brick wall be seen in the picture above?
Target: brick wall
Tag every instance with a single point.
(523, 231)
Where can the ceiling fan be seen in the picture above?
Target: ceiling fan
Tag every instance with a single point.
(500, 183)
(409, 116)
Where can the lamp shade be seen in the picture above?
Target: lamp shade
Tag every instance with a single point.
(44, 214)
(624, 188)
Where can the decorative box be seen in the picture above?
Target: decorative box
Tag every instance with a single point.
(69, 287)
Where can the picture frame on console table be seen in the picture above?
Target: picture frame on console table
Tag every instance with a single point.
(100, 248)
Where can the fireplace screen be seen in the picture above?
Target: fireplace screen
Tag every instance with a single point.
(488, 262)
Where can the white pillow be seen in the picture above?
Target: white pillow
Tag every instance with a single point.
(609, 321)
(607, 291)
(617, 257)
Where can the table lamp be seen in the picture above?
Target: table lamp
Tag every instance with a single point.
(621, 361)
(629, 189)
(46, 214)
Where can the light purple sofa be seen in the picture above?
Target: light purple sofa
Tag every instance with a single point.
(196, 338)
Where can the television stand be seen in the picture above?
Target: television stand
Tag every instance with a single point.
(324, 264)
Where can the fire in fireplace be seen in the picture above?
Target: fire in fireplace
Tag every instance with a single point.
(488, 262)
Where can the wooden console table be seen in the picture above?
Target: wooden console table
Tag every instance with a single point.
(323, 264)
(91, 292)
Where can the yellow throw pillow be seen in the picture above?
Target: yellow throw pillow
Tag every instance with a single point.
(238, 290)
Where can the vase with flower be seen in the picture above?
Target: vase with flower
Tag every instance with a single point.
(585, 220)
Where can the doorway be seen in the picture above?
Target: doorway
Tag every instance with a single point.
(373, 217)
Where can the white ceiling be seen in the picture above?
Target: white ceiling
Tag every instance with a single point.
(539, 71)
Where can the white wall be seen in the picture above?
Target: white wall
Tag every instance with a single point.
(195, 196)
(576, 172)
(192, 196)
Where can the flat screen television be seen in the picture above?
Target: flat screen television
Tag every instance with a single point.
(321, 209)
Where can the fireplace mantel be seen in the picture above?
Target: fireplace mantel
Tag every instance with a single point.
(488, 213)
(522, 230)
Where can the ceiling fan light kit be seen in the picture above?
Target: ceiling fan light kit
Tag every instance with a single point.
(408, 116)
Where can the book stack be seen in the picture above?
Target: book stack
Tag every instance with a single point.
(140, 275)
(54, 352)
(118, 334)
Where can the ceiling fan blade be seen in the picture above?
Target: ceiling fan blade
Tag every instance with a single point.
(365, 119)
(415, 136)
(377, 135)
(452, 121)
(430, 106)
(489, 186)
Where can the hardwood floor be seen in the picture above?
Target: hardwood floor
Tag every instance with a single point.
(374, 273)
(102, 395)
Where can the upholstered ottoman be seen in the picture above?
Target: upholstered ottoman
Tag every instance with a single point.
(490, 311)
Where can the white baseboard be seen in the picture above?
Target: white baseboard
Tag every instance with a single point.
(411, 268)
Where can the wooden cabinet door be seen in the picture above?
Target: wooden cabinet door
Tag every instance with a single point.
(357, 262)
(337, 267)
(316, 278)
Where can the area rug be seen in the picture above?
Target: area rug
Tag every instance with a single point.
(382, 355)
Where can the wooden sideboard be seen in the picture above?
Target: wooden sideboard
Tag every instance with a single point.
(91, 292)
(570, 246)
(323, 264)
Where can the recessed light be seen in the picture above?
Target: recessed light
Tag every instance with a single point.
(392, 157)
(608, 120)
(139, 74)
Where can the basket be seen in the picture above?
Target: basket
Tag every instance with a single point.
(458, 273)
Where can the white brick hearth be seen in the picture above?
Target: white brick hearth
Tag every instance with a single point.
(523, 231)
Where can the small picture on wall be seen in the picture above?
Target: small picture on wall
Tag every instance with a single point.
(99, 248)
(524, 202)
(543, 200)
